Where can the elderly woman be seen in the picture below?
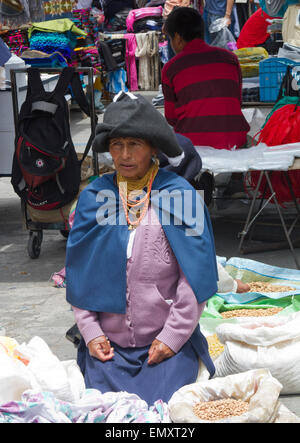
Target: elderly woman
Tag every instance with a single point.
(140, 262)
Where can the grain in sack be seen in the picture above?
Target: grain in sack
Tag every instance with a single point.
(248, 397)
(267, 342)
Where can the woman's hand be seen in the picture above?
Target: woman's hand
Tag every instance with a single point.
(158, 352)
(242, 287)
(100, 348)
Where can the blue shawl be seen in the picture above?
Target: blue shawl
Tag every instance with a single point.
(96, 256)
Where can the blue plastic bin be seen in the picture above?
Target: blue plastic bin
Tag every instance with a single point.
(271, 72)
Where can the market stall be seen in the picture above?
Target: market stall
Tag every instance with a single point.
(253, 339)
(124, 46)
(261, 160)
(73, 39)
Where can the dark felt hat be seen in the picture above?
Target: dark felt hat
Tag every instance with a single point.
(133, 116)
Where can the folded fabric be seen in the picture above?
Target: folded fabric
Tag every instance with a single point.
(43, 60)
(148, 24)
(86, 22)
(88, 56)
(59, 25)
(38, 406)
(50, 42)
(138, 14)
(251, 94)
(116, 81)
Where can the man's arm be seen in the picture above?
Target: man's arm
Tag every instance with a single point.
(228, 11)
(169, 99)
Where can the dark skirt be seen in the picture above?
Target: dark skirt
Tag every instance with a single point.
(129, 371)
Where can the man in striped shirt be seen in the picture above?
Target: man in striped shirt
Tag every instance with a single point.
(202, 86)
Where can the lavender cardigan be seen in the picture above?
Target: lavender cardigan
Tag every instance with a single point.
(160, 301)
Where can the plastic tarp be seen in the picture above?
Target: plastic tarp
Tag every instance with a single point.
(252, 271)
(257, 158)
(249, 271)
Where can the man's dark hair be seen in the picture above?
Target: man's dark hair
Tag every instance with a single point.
(187, 22)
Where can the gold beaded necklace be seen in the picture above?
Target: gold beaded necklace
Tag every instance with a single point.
(129, 190)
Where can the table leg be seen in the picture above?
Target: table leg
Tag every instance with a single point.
(247, 224)
(282, 220)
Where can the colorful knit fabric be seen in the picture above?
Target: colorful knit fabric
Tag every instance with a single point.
(85, 21)
(58, 8)
(50, 42)
(40, 59)
(88, 56)
(16, 40)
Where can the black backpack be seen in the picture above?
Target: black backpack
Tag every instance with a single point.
(46, 170)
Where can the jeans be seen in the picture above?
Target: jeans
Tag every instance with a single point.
(210, 18)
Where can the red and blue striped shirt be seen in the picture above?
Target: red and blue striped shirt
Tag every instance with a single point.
(202, 88)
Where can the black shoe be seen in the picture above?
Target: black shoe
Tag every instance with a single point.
(235, 189)
(74, 335)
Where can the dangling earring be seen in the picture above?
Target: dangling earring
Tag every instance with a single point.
(155, 159)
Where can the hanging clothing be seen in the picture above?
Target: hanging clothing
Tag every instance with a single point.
(131, 46)
(130, 59)
(116, 81)
(171, 4)
(147, 52)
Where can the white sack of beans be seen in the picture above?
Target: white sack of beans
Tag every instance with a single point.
(262, 342)
(256, 388)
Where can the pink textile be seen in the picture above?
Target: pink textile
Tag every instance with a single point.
(59, 278)
(138, 14)
(131, 46)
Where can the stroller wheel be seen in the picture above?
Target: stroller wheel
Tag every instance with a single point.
(34, 243)
(64, 233)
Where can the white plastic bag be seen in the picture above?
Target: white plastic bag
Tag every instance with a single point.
(14, 379)
(257, 387)
(221, 35)
(44, 372)
(63, 379)
(262, 342)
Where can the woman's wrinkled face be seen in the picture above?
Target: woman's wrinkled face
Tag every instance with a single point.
(131, 156)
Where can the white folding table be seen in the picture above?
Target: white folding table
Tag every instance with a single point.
(266, 160)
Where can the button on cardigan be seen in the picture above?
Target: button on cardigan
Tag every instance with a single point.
(160, 302)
